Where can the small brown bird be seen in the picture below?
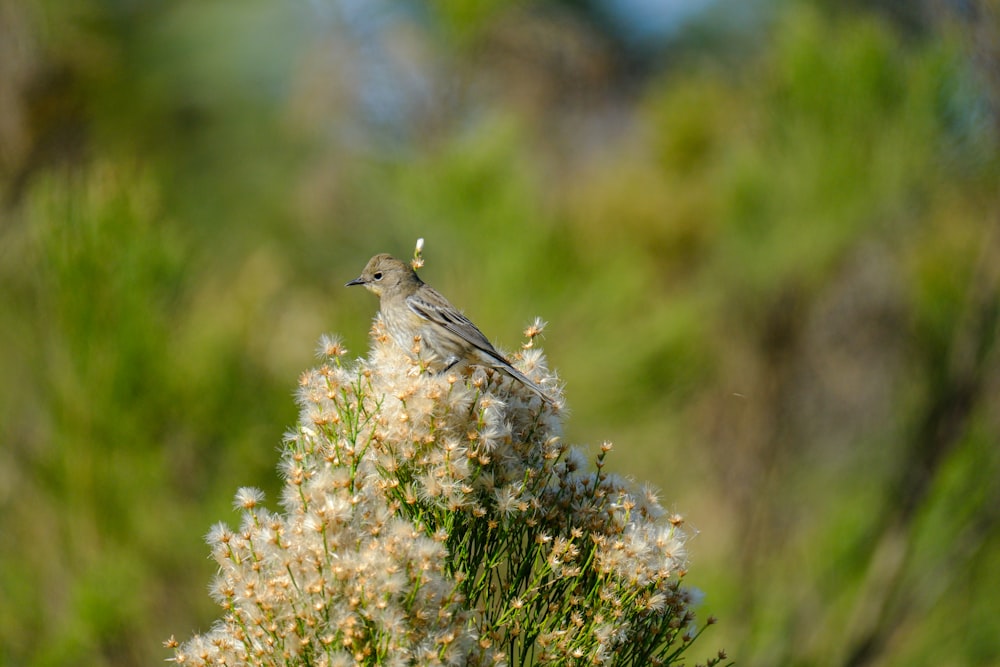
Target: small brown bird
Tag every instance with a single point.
(412, 308)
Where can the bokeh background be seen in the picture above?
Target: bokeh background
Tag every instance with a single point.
(764, 234)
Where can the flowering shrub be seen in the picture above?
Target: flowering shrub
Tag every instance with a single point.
(436, 519)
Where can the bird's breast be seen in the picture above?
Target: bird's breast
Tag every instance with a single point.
(404, 325)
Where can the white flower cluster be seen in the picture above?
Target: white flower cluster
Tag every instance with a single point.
(438, 519)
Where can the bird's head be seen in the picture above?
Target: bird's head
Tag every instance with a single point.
(384, 272)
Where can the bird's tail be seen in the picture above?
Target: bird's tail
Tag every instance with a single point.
(507, 368)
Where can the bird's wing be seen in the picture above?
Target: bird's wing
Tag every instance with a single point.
(429, 304)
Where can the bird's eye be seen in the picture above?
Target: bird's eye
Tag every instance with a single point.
(378, 275)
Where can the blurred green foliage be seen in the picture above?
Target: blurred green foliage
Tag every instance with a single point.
(770, 272)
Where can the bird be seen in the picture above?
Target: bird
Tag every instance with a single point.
(410, 308)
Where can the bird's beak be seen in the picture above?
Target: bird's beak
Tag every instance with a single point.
(356, 281)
